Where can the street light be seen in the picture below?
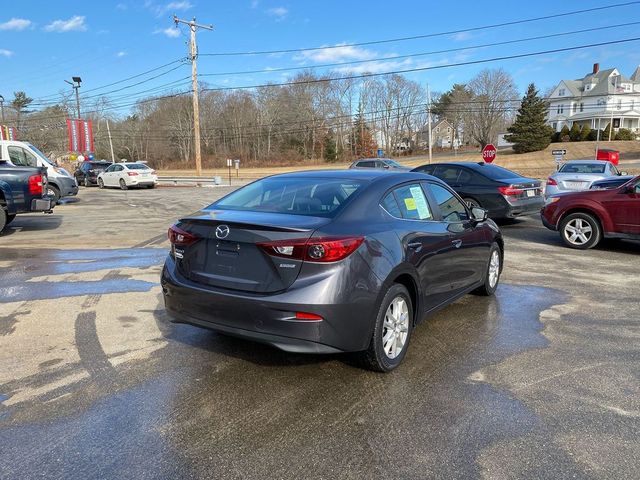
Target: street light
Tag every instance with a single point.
(76, 85)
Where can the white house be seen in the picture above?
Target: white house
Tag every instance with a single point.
(593, 99)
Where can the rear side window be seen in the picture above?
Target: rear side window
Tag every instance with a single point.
(448, 174)
(428, 169)
(496, 173)
(465, 176)
(451, 208)
(297, 196)
(367, 164)
(410, 203)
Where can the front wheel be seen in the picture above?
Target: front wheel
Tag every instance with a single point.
(123, 184)
(492, 274)
(580, 230)
(100, 183)
(392, 331)
(3, 218)
(54, 193)
(87, 183)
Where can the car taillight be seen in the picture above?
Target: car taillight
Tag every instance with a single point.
(180, 238)
(551, 181)
(132, 174)
(510, 191)
(35, 185)
(309, 317)
(314, 249)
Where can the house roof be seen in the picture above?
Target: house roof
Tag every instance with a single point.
(604, 83)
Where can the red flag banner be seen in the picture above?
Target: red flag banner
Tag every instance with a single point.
(8, 133)
(80, 133)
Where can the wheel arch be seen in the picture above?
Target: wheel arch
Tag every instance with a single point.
(589, 211)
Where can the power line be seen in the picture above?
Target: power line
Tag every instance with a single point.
(429, 35)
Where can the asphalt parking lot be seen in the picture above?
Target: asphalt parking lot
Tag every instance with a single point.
(540, 381)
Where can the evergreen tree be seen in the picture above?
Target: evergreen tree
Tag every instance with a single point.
(574, 133)
(330, 151)
(585, 133)
(564, 134)
(530, 133)
(365, 145)
(605, 133)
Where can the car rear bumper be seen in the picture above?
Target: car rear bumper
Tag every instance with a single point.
(525, 206)
(547, 223)
(41, 204)
(271, 318)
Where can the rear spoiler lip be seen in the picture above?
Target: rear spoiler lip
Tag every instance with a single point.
(253, 226)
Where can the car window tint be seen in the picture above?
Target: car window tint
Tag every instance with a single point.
(451, 208)
(446, 173)
(367, 164)
(428, 169)
(582, 168)
(30, 158)
(614, 170)
(465, 176)
(298, 196)
(16, 154)
(137, 166)
(413, 202)
(390, 204)
(495, 172)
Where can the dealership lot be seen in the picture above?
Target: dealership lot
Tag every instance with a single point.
(540, 381)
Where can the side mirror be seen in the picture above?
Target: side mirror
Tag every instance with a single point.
(479, 214)
(386, 167)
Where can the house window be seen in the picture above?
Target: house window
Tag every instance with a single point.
(619, 104)
(587, 88)
(437, 129)
(601, 102)
(582, 107)
(561, 92)
(560, 109)
(449, 130)
(632, 105)
(574, 107)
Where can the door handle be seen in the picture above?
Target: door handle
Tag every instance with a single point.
(415, 245)
(457, 243)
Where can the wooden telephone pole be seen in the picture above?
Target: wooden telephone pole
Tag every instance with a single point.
(193, 54)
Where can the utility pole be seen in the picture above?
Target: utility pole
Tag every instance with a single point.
(113, 157)
(429, 121)
(193, 54)
(76, 86)
(2, 107)
(615, 88)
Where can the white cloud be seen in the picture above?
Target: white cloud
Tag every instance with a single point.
(121, 54)
(461, 36)
(6, 53)
(170, 7)
(170, 32)
(122, 6)
(173, 6)
(337, 53)
(15, 24)
(74, 24)
(279, 12)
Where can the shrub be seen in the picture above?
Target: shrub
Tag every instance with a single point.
(625, 134)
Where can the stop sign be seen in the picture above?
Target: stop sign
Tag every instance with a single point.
(489, 153)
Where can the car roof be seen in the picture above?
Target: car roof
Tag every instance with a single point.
(472, 165)
(366, 175)
(588, 162)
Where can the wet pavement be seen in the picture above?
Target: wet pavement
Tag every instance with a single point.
(540, 381)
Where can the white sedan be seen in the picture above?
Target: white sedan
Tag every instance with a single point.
(129, 174)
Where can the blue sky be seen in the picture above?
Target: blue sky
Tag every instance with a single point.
(44, 43)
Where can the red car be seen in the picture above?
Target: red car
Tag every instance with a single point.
(584, 218)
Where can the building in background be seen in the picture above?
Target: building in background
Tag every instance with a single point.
(593, 100)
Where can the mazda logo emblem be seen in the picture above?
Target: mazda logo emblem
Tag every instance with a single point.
(222, 231)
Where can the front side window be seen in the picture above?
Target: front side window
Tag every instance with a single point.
(448, 174)
(452, 209)
(411, 203)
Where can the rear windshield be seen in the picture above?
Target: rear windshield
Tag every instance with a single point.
(137, 166)
(99, 166)
(495, 172)
(582, 168)
(298, 196)
(392, 163)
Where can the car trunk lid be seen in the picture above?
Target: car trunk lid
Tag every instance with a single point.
(227, 253)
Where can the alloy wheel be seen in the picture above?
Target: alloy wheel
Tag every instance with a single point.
(395, 327)
(494, 268)
(578, 231)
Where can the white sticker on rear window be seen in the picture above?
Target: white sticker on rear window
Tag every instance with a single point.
(420, 203)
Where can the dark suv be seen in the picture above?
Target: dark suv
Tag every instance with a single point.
(87, 172)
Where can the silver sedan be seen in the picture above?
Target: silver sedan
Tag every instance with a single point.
(577, 175)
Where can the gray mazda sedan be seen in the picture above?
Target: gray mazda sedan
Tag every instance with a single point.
(330, 261)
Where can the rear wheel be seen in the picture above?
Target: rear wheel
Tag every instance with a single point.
(87, 183)
(492, 274)
(153, 185)
(580, 230)
(3, 218)
(54, 193)
(392, 331)
(123, 184)
(100, 183)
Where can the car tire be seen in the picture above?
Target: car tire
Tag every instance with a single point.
(472, 202)
(394, 322)
(492, 274)
(3, 218)
(10, 218)
(580, 230)
(100, 183)
(87, 183)
(123, 184)
(53, 191)
(151, 186)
